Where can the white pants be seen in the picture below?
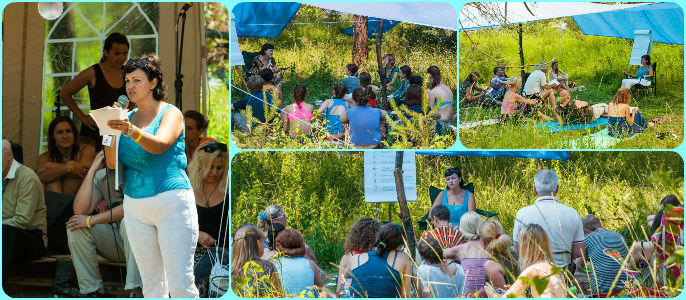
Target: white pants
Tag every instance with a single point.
(629, 82)
(163, 232)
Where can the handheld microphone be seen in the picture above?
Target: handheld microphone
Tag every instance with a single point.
(122, 101)
(185, 8)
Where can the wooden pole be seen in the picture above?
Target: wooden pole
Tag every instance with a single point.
(521, 50)
(402, 202)
(382, 75)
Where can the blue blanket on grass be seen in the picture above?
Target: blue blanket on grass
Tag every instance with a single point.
(552, 126)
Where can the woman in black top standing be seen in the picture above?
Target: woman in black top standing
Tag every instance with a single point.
(105, 81)
(208, 173)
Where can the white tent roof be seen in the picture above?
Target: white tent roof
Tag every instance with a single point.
(516, 12)
(236, 57)
(434, 14)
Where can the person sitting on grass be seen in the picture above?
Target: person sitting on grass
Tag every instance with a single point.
(515, 107)
(471, 254)
(351, 82)
(97, 228)
(262, 279)
(297, 272)
(276, 92)
(556, 74)
(270, 250)
(365, 122)
(297, 116)
(361, 239)
(274, 214)
(63, 167)
(399, 95)
(366, 84)
(537, 87)
(447, 235)
(497, 87)
(467, 89)
(536, 261)
(438, 279)
(605, 252)
(382, 273)
(256, 100)
(624, 119)
(441, 95)
(391, 71)
(334, 110)
(501, 269)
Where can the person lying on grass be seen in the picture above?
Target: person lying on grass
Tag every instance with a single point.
(515, 107)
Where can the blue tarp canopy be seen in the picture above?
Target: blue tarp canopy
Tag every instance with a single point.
(558, 155)
(373, 27)
(665, 20)
(263, 19)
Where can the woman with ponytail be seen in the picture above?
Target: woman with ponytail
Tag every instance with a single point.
(382, 273)
(501, 269)
(297, 116)
(248, 246)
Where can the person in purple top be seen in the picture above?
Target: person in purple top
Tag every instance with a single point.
(497, 89)
(364, 121)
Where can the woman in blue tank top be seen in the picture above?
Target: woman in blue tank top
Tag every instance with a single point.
(365, 121)
(298, 274)
(456, 198)
(382, 273)
(159, 205)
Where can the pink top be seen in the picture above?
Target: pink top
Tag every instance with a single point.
(508, 108)
(300, 113)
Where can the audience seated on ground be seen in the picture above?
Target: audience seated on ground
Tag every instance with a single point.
(361, 239)
(297, 116)
(501, 268)
(365, 122)
(351, 82)
(276, 92)
(297, 273)
(24, 226)
(270, 250)
(366, 83)
(605, 255)
(563, 228)
(471, 254)
(535, 261)
(66, 162)
(625, 120)
(438, 279)
(537, 87)
(382, 273)
(334, 111)
(208, 174)
(447, 235)
(515, 107)
(196, 127)
(256, 101)
(246, 252)
(496, 88)
(644, 75)
(97, 229)
(391, 71)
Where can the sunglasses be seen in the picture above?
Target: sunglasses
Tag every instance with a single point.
(141, 63)
(451, 171)
(210, 148)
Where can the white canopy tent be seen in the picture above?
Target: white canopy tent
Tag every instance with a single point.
(471, 17)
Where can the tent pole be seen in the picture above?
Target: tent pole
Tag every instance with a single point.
(521, 50)
(404, 214)
(384, 80)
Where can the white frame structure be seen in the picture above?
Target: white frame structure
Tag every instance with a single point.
(99, 36)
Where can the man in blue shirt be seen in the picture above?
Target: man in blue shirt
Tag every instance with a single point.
(256, 100)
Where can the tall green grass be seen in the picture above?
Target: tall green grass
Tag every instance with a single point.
(592, 61)
(323, 192)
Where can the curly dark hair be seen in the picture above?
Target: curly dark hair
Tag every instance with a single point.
(153, 69)
(362, 236)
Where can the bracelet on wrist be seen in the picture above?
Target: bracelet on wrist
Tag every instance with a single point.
(88, 222)
(129, 131)
(140, 135)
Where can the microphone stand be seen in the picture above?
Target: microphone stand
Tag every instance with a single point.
(178, 83)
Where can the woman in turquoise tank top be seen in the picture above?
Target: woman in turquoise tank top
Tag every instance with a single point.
(159, 204)
(456, 198)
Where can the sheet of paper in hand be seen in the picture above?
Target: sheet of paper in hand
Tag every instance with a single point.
(102, 115)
